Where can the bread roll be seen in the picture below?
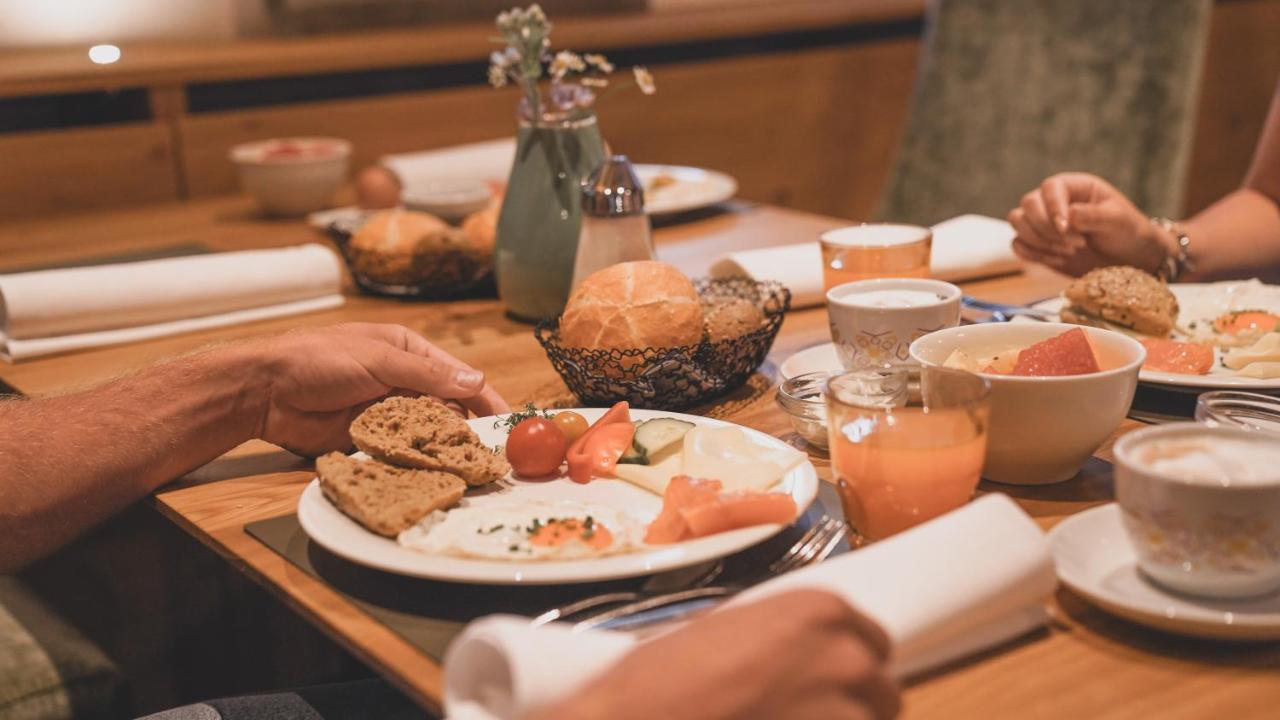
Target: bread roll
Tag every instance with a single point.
(633, 305)
(731, 317)
(385, 246)
(481, 228)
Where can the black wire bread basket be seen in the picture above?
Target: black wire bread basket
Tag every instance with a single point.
(672, 378)
(445, 273)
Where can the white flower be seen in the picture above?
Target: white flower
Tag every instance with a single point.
(644, 80)
(600, 62)
(594, 82)
(497, 76)
(566, 62)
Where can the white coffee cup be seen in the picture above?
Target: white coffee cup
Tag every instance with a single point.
(1201, 506)
(874, 322)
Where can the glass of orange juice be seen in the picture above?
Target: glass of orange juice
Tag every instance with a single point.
(864, 252)
(906, 445)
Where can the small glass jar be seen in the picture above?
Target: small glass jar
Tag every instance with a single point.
(1233, 408)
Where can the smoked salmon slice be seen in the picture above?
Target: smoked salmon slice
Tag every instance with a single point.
(1183, 358)
(731, 511)
(694, 508)
(682, 492)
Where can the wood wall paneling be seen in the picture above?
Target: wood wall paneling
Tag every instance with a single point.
(1242, 71)
(375, 126)
(55, 171)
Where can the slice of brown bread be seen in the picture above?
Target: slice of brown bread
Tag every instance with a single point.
(423, 433)
(384, 498)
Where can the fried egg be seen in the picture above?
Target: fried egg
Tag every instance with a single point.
(524, 531)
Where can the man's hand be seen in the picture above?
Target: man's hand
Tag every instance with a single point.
(1075, 222)
(800, 655)
(317, 381)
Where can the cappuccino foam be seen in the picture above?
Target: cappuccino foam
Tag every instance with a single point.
(1213, 461)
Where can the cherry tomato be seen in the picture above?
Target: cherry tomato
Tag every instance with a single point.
(571, 424)
(536, 447)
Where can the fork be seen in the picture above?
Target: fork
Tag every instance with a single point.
(813, 547)
(695, 576)
(1001, 312)
(679, 579)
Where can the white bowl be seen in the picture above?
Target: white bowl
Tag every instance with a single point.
(297, 183)
(451, 200)
(1044, 428)
(1218, 540)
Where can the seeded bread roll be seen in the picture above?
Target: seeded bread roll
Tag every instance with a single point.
(633, 305)
(383, 498)
(1123, 296)
(732, 317)
(423, 433)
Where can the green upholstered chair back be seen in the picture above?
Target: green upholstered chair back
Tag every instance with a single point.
(1011, 91)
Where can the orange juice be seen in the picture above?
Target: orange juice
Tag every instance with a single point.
(917, 467)
(905, 448)
(865, 252)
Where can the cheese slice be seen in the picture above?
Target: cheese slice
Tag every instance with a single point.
(729, 455)
(1265, 350)
(654, 477)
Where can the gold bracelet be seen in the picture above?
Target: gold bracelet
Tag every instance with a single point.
(1175, 264)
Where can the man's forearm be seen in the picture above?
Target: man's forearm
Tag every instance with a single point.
(68, 462)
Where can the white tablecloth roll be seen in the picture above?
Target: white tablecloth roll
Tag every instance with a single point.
(51, 311)
(964, 248)
(962, 583)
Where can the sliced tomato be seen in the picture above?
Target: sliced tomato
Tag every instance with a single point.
(586, 457)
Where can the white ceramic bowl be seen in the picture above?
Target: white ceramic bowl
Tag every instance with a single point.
(451, 200)
(1044, 428)
(297, 181)
(1219, 540)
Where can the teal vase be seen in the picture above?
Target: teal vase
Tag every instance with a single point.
(541, 215)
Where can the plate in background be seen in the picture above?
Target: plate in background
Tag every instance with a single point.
(683, 188)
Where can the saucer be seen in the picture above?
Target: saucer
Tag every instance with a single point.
(819, 358)
(1094, 558)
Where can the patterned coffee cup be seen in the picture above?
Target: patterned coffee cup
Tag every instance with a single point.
(874, 322)
(1216, 535)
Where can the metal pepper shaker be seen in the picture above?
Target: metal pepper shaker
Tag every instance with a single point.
(615, 227)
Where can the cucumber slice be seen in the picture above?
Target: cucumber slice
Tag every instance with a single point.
(654, 436)
(634, 455)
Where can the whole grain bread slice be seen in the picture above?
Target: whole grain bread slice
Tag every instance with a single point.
(384, 498)
(423, 433)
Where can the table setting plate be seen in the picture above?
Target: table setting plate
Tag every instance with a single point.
(1094, 558)
(1198, 301)
(338, 534)
(693, 188)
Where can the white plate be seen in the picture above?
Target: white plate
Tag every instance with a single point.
(1198, 302)
(1095, 559)
(344, 537)
(693, 188)
(819, 358)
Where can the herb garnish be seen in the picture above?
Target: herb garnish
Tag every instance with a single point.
(511, 421)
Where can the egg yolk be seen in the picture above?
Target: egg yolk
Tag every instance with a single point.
(1247, 321)
(555, 533)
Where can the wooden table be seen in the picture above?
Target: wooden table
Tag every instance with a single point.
(1086, 665)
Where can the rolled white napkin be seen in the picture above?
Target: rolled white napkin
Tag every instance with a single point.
(49, 311)
(484, 161)
(957, 585)
(964, 248)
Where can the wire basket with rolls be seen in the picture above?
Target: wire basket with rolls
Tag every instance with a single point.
(409, 254)
(644, 333)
